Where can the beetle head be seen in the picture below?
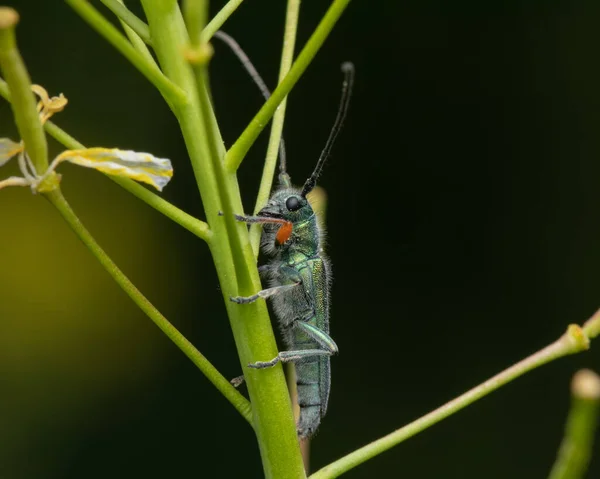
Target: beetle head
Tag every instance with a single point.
(289, 205)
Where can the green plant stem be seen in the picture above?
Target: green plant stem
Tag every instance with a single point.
(138, 42)
(238, 150)
(135, 29)
(190, 223)
(218, 20)
(591, 327)
(573, 341)
(19, 84)
(198, 52)
(576, 448)
(194, 225)
(195, 13)
(172, 94)
(129, 18)
(266, 182)
(231, 394)
(231, 251)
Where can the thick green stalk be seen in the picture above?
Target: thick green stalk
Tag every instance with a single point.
(238, 150)
(236, 268)
(573, 341)
(19, 84)
(576, 448)
(287, 56)
(221, 383)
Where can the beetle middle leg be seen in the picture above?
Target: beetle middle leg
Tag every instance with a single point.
(319, 336)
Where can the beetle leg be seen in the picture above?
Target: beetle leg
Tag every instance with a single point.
(320, 336)
(287, 356)
(265, 293)
(237, 381)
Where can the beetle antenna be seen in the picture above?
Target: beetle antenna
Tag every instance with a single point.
(348, 70)
(258, 81)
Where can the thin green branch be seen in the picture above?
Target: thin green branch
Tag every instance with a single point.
(219, 19)
(19, 84)
(198, 52)
(194, 225)
(573, 341)
(173, 94)
(129, 18)
(576, 448)
(139, 41)
(189, 222)
(591, 327)
(287, 56)
(221, 383)
(238, 150)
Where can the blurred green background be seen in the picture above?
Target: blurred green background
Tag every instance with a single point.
(463, 227)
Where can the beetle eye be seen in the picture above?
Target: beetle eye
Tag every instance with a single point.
(292, 203)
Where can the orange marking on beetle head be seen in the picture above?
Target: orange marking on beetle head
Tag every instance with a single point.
(284, 232)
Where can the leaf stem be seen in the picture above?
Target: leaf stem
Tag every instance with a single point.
(576, 448)
(129, 18)
(238, 150)
(287, 56)
(19, 84)
(195, 13)
(573, 341)
(219, 19)
(194, 225)
(172, 94)
(189, 222)
(141, 40)
(591, 327)
(221, 383)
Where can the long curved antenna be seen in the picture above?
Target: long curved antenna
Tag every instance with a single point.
(348, 70)
(251, 70)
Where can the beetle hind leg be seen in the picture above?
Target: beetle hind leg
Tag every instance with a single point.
(287, 356)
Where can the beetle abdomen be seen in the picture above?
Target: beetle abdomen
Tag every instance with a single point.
(312, 381)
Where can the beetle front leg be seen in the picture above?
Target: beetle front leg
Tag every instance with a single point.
(292, 276)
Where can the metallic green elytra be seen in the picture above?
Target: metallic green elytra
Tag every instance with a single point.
(299, 275)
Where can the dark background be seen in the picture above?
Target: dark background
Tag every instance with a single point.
(463, 227)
